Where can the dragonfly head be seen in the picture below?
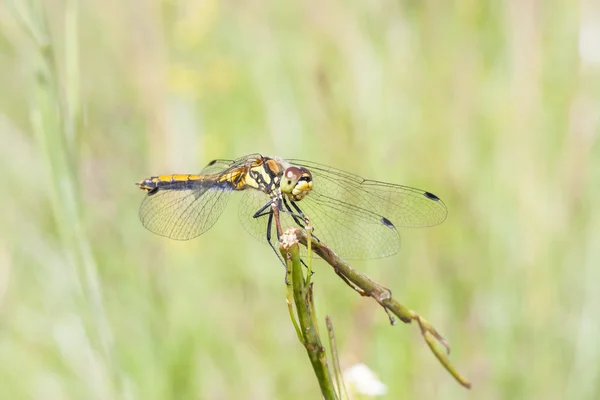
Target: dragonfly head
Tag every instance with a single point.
(296, 182)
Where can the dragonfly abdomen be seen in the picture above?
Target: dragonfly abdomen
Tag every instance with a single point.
(173, 182)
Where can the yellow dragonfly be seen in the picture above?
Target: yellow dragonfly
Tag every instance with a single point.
(355, 217)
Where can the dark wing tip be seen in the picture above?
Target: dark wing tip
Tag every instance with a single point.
(431, 196)
(387, 222)
(213, 162)
(152, 191)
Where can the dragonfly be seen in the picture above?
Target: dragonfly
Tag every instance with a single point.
(356, 217)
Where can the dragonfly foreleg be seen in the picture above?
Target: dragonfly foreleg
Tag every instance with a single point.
(304, 217)
(305, 220)
(299, 218)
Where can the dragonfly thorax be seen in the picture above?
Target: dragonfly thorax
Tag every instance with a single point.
(265, 176)
(277, 178)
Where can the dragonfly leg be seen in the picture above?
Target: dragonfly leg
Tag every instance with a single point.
(299, 211)
(299, 218)
(269, 226)
(264, 210)
(300, 214)
(261, 212)
(279, 257)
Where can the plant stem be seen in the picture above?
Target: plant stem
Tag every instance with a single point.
(366, 287)
(303, 300)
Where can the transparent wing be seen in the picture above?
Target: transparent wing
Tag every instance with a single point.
(184, 211)
(357, 217)
(216, 166)
(402, 205)
(348, 236)
(351, 232)
(183, 214)
(223, 166)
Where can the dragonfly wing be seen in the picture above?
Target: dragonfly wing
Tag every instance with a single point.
(186, 210)
(334, 225)
(351, 232)
(216, 166)
(222, 166)
(183, 214)
(403, 206)
(357, 217)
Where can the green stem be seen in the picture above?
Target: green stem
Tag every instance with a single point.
(303, 301)
(289, 295)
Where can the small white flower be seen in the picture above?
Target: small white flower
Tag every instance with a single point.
(360, 379)
(288, 239)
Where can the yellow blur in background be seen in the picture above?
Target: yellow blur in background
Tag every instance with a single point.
(493, 106)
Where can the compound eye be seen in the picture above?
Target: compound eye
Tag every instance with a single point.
(290, 178)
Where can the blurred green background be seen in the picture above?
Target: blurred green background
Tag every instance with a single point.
(493, 106)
